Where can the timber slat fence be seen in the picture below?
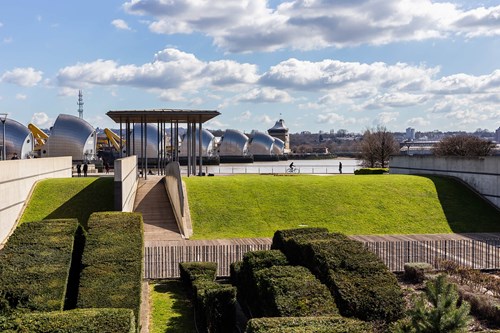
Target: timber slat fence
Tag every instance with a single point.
(163, 261)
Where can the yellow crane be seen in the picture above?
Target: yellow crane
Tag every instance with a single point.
(39, 136)
(114, 139)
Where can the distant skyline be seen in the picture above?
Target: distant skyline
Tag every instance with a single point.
(319, 65)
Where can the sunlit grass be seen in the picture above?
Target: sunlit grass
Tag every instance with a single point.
(256, 206)
(171, 310)
(69, 197)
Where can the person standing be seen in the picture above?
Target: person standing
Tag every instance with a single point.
(106, 167)
(85, 168)
(79, 169)
(15, 157)
(340, 167)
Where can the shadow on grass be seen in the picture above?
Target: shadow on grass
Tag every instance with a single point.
(465, 211)
(182, 315)
(97, 197)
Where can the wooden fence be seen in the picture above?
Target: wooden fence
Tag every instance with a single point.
(163, 261)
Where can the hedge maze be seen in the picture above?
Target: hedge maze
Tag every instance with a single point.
(310, 281)
(43, 276)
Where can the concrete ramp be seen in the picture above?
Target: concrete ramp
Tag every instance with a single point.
(152, 201)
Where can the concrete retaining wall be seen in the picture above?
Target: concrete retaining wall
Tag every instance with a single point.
(126, 180)
(178, 198)
(17, 178)
(481, 173)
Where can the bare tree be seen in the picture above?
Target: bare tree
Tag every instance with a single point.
(463, 145)
(377, 146)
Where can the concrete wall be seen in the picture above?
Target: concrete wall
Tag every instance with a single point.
(481, 173)
(17, 178)
(178, 199)
(126, 180)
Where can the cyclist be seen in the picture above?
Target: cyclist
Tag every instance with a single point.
(291, 166)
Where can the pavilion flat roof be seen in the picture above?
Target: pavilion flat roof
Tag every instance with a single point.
(162, 115)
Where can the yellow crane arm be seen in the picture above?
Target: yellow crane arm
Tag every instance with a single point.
(39, 135)
(113, 138)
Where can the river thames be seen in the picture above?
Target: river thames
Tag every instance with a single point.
(329, 166)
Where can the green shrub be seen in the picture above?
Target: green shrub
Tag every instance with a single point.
(482, 306)
(80, 320)
(252, 262)
(335, 324)
(360, 282)
(112, 262)
(281, 236)
(286, 291)
(371, 171)
(234, 273)
(35, 265)
(215, 305)
(415, 271)
(190, 271)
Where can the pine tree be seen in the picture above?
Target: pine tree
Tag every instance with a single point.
(437, 310)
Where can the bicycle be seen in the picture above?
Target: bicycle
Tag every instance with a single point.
(292, 170)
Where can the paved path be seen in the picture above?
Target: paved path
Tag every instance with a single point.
(152, 201)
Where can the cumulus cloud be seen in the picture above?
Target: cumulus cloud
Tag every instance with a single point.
(173, 72)
(24, 77)
(265, 119)
(384, 118)
(21, 97)
(120, 24)
(418, 122)
(254, 25)
(265, 95)
(42, 120)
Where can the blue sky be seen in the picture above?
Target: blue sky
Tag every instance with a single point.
(320, 65)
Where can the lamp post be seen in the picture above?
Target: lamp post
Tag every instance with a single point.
(3, 118)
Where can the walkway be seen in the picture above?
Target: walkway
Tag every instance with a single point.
(152, 201)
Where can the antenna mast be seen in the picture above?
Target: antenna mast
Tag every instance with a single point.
(80, 104)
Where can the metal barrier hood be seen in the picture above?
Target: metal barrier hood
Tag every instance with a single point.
(233, 143)
(207, 143)
(71, 136)
(261, 144)
(18, 139)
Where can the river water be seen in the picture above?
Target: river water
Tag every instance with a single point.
(330, 166)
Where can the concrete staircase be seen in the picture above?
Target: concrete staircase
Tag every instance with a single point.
(152, 201)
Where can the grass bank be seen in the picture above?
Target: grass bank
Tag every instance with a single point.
(256, 206)
(171, 310)
(70, 198)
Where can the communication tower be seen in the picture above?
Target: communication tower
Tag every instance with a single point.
(80, 104)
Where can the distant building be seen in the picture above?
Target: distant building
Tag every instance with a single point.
(410, 134)
(280, 131)
(497, 135)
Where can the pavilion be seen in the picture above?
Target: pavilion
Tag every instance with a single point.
(163, 118)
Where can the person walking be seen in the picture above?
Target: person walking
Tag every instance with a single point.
(85, 168)
(106, 167)
(79, 169)
(340, 167)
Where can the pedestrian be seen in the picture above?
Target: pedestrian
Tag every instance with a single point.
(79, 169)
(340, 167)
(85, 168)
(106, 167)
(15, 157)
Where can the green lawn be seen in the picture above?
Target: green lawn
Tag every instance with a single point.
(257, 206)
(171, 310)
(70, 197)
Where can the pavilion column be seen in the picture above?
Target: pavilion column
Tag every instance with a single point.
(200, 149)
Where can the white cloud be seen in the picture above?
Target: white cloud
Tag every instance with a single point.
(1, 24)
(21, 97)
(265, 95)
(384, 118)
(8, 40)
(265, 119)
(120, 24)
(253, 25)
(24, 77)
(418, 122)
(244, 116)
(42, 120)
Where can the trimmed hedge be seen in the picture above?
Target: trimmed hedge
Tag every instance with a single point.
(292, 291)
(281, 236)
(112, 262)
(191, 271)
(371, 171)
(360, 282)
(335, 324)
(35, 265)
(215, 303)
(80, 320)
(252, 262)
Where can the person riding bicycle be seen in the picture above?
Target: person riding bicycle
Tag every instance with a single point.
(291, 166)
